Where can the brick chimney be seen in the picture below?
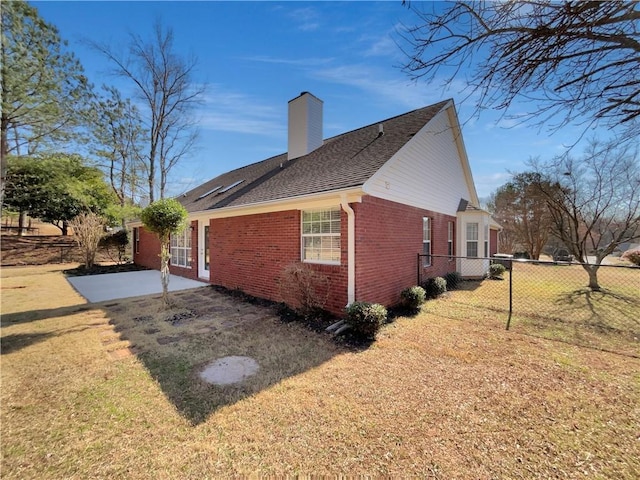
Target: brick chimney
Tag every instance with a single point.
(305, 125)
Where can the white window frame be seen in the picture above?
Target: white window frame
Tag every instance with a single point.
(320, 236)
(472, 238)
(450, 234)
(427, 226)
(181, 249)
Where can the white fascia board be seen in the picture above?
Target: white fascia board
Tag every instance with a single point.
(303, 202)
(462, 151)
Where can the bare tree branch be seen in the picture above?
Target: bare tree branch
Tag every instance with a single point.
(567, 59)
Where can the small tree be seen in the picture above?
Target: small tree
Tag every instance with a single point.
(164, 217)
(88, 229)
(594, 201)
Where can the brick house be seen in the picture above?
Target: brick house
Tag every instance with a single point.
(357, 207)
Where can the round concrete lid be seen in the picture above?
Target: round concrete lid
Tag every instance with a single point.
(229, 370)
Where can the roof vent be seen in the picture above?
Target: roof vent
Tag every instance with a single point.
(209, 192)
(234, 184)
(380, 129)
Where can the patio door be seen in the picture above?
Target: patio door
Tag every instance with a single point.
(204, 257)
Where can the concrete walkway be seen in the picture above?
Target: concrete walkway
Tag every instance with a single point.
(111, 286)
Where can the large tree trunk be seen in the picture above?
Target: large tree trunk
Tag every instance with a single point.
(592, 270)
(65, 228)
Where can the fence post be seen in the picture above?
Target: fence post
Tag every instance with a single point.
(510, 293)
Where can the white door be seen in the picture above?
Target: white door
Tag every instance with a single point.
(203, 250)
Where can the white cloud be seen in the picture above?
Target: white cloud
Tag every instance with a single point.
(489, 182)
(230, 111)
(296, 62)
(378, 84)
(306, 19)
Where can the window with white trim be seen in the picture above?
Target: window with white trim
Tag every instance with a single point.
(181, 248)
(426, 241)
(472, 239)
(321, 236)
(450, 233)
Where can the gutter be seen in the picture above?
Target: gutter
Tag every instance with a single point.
(351, 249)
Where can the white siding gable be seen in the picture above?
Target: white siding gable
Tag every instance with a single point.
(430, 171)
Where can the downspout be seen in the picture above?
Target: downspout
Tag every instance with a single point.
(351, 249)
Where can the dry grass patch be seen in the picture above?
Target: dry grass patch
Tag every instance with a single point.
(552, 301)
(433, 397)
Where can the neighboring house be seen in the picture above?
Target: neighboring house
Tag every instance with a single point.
(357, 207)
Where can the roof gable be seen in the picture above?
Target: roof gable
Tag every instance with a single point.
(344, 161)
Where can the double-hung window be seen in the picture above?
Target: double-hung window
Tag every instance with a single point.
(450, 233)
(472, 239)
(181, 248)
(426, 241)
(321, 236)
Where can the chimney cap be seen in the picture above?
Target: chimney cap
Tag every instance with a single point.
(303, 93)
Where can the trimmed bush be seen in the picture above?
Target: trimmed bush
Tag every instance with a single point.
(366, 318)
(496, 271)
(434, 287)
(633, 256)
(453, 279)
(413, 297)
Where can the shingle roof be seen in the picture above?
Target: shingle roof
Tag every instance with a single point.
(343, 161)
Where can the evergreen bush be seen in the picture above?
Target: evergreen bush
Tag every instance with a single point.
(366, 318)
(434, 287)
(413, 297)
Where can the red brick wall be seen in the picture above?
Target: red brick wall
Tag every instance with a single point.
(148, 250)
(251, 252)
(148, 254)
(388, 239)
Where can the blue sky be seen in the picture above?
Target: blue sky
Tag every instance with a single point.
(256, 56)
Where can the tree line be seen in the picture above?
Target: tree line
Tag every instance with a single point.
(68, 147)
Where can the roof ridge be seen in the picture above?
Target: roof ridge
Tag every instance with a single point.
(443, 102)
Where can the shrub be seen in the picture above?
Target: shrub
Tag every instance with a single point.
(366, 318)
(87, 229)
(413, 297)
(434, 287)
(116, 242)
(304, 289)
(496, 270)
(453, 279)
(633, 256)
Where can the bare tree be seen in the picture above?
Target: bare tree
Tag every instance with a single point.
(88, 229)
(594, 201)
(570, 59)
(163, 82)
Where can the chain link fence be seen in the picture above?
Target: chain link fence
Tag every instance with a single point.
(545, 299)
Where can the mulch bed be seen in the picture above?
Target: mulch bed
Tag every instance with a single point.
(101, 269)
